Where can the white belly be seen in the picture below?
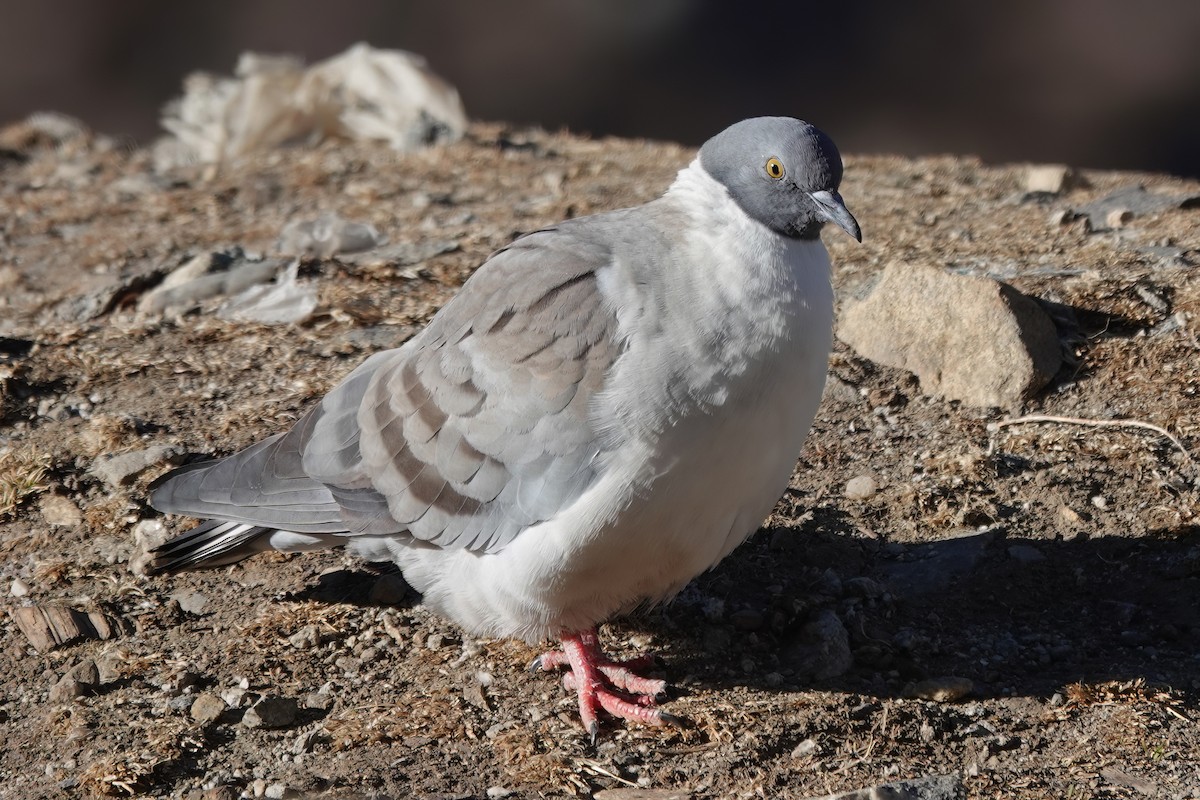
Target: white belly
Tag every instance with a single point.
(612, 550)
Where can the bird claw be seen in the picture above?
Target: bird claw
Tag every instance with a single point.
(604, 683)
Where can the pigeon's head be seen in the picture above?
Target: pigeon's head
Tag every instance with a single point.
(783, 172)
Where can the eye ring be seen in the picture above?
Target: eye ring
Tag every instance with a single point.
(774, 168)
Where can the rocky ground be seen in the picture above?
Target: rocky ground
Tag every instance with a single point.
(1000, 610)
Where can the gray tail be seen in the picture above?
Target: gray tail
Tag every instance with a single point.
(211, 544)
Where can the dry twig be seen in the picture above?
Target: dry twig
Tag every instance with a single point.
(1093, 423)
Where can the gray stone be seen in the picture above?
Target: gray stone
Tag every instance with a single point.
(321, 701)
(271, 712)
(181, 702)
(208, 275)
(930, 787)
(1135, 201)
(190, 602)
(123, 469)
(933, 566)
(307, 637)
(306, 741)
(80, 680)
(837, 390)
(207, 707)
(967, 338)
(327, 235)
(823, 648)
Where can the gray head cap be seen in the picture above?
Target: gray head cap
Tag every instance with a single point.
(782, 172)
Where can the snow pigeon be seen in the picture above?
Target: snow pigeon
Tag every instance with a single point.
(605, 410)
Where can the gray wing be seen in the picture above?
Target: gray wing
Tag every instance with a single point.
(472, 431)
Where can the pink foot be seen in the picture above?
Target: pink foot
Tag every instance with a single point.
(601, 682)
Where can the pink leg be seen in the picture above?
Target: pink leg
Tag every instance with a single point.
(604, 683)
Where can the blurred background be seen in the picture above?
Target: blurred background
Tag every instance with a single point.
(1091, 83)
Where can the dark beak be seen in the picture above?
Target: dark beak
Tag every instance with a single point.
(831, 208)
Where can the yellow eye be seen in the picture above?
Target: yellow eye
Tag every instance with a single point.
(774, 168)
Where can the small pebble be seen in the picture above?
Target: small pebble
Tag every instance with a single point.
(306, 637)
(190, 602)
(806, 748)
(1069, 515)
(60, 511)
(233, 696)
(941, 690)
(305, 742)
(180, 702)
(207, 707)
(321, 701)
(271, 712)
(1118, 217)
(80, 680)
(19, 588)
(860, 487)
(1100, 501)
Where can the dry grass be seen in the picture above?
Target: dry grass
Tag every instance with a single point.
(1134, 692)
(130, 773)
(435, 716)
(277, 621)
(22, 474)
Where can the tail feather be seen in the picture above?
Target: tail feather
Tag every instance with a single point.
(212, 544)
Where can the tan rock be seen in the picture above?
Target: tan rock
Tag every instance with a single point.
(967, 338)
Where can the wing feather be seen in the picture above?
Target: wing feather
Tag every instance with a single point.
(463, 437)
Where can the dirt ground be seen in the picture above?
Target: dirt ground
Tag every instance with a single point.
(1049, 571)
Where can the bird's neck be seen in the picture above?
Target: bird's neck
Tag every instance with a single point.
(763, 279)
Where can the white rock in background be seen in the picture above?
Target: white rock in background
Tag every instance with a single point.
(208, 275)
(327, 235)
(1050, 178)
(362, 94)
(288, 300)
(967, 338)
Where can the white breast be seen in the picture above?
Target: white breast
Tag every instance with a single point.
(712, 401)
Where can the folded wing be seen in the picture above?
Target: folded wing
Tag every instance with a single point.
(471, 432)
